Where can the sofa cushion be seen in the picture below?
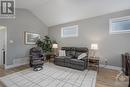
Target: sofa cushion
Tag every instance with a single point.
(70, 54)
(81, 56)
(80, 50)
(68, 48)
(77, 62)
(70, 51)
(67, 59)
(77, 54)
(67, 62)
(60, 57)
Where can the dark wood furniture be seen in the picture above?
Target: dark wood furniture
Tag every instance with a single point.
(126, 65)
(50, 56)
(93, 62)
(129, 70)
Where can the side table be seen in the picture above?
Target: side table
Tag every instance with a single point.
(50, 56)
(93, 62)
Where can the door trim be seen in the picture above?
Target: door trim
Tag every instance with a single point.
(5, 28)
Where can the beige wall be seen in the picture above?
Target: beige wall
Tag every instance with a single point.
(96, 30)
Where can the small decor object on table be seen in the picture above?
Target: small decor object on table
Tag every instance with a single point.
(93, 62)
(31, 38)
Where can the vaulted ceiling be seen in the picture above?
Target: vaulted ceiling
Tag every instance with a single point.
(54, 12)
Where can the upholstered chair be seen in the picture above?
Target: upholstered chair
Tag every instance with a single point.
(36, 58)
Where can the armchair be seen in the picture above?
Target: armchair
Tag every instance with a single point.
(36, 58)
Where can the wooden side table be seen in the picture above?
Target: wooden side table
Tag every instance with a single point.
(93, 62)
(50, 56)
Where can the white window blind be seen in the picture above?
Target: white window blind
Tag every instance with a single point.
(70, 31)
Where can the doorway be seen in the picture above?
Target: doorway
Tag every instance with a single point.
(3, 46)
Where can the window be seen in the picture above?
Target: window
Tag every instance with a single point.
(120, 25)
(70, 31)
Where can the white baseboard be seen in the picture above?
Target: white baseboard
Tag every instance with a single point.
(14, 65)
(111, 67)
(25, 60)
(18, 62)
(9, 66)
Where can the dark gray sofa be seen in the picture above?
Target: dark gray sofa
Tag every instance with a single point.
(70, 60)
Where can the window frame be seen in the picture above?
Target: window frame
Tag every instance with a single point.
(67, 28)
(118, 31)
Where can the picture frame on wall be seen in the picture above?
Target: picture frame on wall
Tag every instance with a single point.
(31, 38)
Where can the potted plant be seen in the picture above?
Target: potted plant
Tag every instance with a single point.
(45, 44)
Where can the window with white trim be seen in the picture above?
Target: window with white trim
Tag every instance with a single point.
(70, 31)
(120, 25)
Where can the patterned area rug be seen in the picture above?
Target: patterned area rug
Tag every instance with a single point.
(51, 76)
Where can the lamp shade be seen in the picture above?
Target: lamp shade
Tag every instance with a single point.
(94, 46)
(55, 46)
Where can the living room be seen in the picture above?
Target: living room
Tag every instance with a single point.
(80, 32)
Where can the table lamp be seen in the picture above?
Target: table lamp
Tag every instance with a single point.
(55, 46)
(94, 48)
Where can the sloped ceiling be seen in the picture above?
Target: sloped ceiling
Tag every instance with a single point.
(54, 12)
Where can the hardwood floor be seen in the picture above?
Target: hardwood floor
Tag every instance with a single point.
(105, 77)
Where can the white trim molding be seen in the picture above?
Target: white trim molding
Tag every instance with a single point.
(18, 62)
(111, 67)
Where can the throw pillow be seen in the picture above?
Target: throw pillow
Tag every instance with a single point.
(82, 55)
(62, 53)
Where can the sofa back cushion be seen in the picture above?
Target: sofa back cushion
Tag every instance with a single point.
(80, 50)
(36, 52)
(74, 52)
(70, 51)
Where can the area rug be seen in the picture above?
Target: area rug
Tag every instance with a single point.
(51, 76)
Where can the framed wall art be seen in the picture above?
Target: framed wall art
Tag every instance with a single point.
(31, 38)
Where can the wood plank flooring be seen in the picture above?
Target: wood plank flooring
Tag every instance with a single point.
(107, 78)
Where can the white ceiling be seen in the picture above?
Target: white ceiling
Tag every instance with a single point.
(54, 12)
